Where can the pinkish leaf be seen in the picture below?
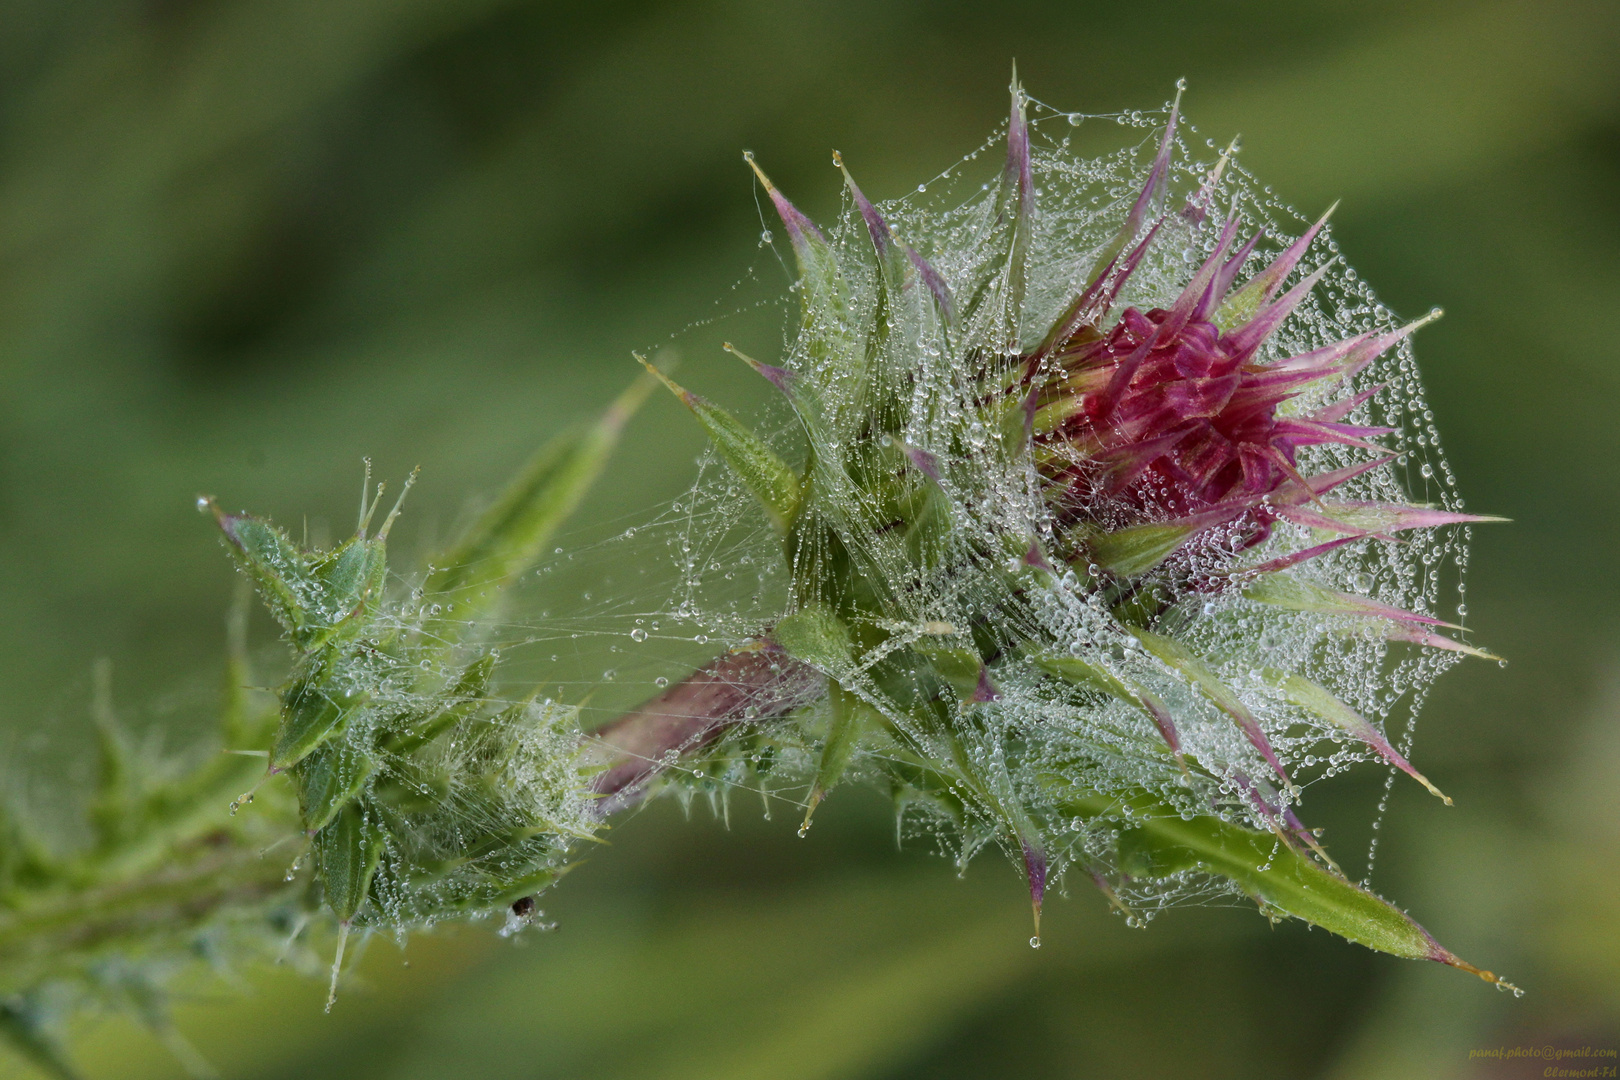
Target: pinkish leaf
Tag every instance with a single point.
(1297, 594)
(1247, 338)
(1376, 517)
(1201, 675)
(1242, 305)
(1316, 699)
(1418, 636)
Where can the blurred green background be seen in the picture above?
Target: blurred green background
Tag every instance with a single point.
(244, 243)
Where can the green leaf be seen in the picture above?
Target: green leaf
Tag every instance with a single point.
(827, 330)
(1280, 877)
(112, 808)
(470, 691)
(329, 779)
(957, 665)
(1297, 594)
(317, 597)
(310, 715)
(818, 637)
(350, 849)
(763, 473)
(409, 787)
(510, 536)
(348, 577)
(1012, 232)
(1084, 673)
(349, 586)
(507, 891)
(274, 563)
(1317, 699)
(851, 718)
(1225, 698)
(25, 863)
(1138, 549)
(1073, 669)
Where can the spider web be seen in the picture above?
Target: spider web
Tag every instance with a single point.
(604, 624)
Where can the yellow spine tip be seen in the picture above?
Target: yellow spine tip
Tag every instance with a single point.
(809, 811)
(748, 156)
(674, 387)
(1436, 792)
(739, 354)
(1489, 976)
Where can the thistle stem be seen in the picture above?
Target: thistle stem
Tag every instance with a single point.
(759, 681)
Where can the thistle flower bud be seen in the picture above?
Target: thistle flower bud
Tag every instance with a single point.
(1095, 540)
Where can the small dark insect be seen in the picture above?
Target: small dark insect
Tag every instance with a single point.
(524, 907)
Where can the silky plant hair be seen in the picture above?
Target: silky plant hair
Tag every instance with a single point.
(1108, 520)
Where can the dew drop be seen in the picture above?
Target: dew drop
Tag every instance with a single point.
(661, 682)
(765, 237)
(638, 634)
(1035, 942)
(1076, 119)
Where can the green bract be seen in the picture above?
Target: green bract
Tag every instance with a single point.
(426, 795)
